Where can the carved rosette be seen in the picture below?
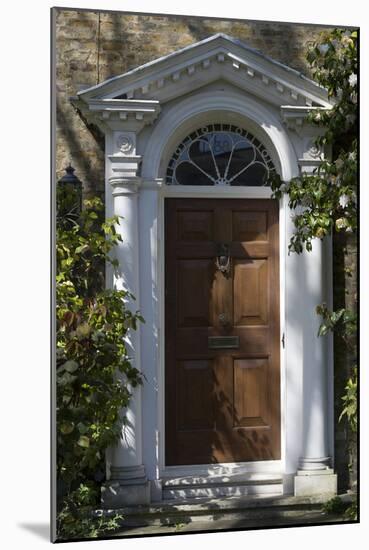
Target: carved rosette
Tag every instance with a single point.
(314, 151)
(125, 144)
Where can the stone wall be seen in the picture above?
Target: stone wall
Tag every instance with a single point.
(93, 46)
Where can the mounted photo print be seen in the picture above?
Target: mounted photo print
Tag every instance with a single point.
(205, 189)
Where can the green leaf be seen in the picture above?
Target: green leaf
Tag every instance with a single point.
(83, 330)
(323, 330)
(66, 427)
(81, 248)
(82, 428)
(83, 441)
(66, 379)
(70, 366)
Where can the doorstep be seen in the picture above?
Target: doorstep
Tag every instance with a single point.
(219, 486)
(247, 512)
(231, 524)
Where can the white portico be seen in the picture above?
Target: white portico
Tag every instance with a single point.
(151, 116)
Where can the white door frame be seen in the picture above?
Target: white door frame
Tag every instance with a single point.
(174, 124)
(219, 192)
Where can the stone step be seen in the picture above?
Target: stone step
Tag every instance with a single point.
(201, 525)
(239, 485)
(253, 509)
(220, 491)
(222, 478)
(223, 490)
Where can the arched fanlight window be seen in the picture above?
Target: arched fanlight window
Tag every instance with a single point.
(220, 154)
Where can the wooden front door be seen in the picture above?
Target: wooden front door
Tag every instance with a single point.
(222, 389)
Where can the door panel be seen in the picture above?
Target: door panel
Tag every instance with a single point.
(222, 404)
(251, 393)
(250, 292)
(250, 226)
(194, 289)
(195, 400)
(195, 226)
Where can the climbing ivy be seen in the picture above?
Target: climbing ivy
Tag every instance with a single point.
(93, 371)
(325, 201)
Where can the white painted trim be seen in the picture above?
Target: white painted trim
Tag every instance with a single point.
(220, 192)
(205, 107)
(215, 192)
(161, 334)
(283, 212)
(201, 56)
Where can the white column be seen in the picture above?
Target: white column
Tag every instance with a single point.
(127, 482)
(315, 475)
(315, 391)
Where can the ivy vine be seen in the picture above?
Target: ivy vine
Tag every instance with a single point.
(94, 374)
(325, 202)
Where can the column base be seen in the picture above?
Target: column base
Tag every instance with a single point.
(315, 482)
(128, 486)
(318, 463)
(116, 495)
(156, 490)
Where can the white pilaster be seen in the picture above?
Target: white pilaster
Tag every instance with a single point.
(294, 304)
(127, 478)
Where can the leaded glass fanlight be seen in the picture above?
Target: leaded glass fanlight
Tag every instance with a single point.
(220, 154)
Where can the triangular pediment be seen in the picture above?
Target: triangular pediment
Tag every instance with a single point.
(219, 57)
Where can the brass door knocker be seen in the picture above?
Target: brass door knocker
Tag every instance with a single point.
(223, 259)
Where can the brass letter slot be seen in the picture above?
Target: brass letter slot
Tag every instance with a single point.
(221, 342)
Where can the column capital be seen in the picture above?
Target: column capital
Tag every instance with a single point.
(124, 163)
(311, 156)
(307, 166)
(295, 118)
(122, 185)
